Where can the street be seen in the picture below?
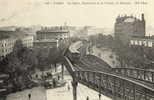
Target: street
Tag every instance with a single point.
(63, 93)
(36, 93)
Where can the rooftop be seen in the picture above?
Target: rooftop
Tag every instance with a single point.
(143, 37)
(128, 19)
(45, 40)
(6, 34)
(55, 29)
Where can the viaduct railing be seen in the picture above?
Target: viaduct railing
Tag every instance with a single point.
(140, 74)
(115, 87)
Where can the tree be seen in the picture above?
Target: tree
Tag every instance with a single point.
(29, 59)
(55, 55)
(18, 47)
(21, 59)
(19, 64)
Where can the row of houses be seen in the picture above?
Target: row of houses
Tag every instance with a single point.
(45, 38)
(6, 45)
(50, 37)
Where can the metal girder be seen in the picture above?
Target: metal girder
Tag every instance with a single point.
(114, 86)
(139, 74)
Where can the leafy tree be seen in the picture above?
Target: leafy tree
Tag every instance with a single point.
(19, 64)
(18, 47)
(55, 55)
(21, 59)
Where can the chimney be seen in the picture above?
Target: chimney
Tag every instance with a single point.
(142, 17)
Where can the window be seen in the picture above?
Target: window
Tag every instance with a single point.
(136, 42)
(132, 42)
(149, 44)
(140, 43)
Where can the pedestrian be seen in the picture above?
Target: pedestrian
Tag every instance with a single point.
(29, 96)
(58, 77)
(99, 95)
(68, 87)
(87, 98)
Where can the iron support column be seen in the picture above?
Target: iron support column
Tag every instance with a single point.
(100, 82)
(99, 96)
(123, 86)
(114, 89)
(99, 86)
(134, 91)
(152, 77)
(144, 75)
(62, 71)
(94, 77)
(145, 94)
(74, 85)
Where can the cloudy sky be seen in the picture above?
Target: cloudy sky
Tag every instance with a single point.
(42, 12)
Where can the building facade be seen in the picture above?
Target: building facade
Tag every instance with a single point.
(128, 26)
(144, 41)
(49, 37)
(52, 33)
(7, 44)
(27, 41)
(46, 43)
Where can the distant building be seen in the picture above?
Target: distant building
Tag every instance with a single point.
(129, 26)
(5, 34)
(7, 44)
(52, 33)
(27, 41)
(49, 37)
(83, 32)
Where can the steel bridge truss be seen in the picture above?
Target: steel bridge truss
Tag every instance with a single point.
(113, 86)
(139, 74)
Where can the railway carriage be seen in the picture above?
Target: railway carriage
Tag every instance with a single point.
(73, 52)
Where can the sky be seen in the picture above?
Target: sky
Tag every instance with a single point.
(43, 12)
